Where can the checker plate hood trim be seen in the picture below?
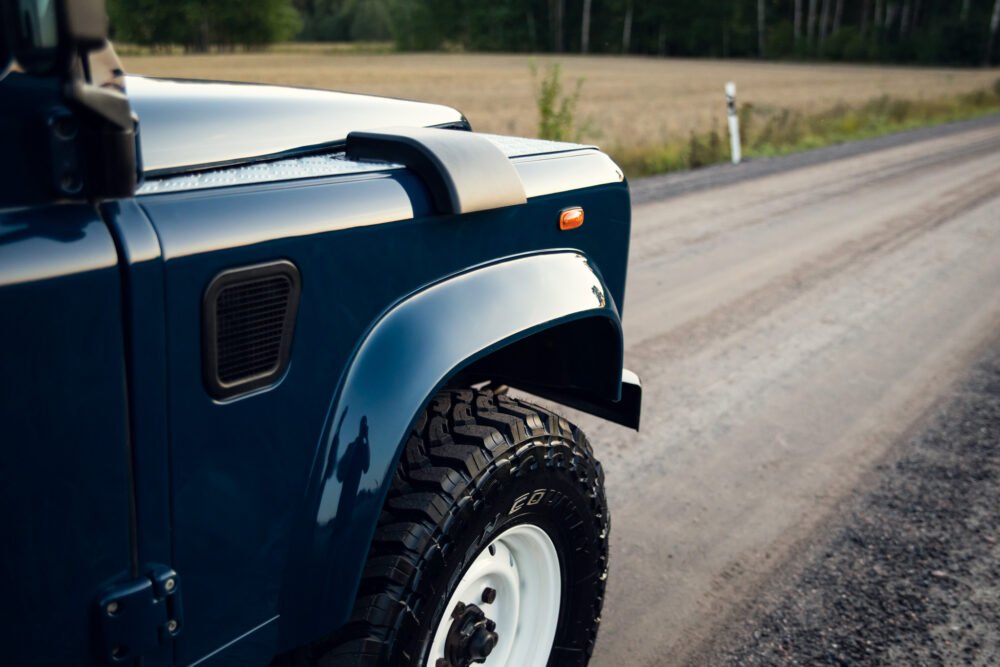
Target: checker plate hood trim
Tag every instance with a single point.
(192, 125)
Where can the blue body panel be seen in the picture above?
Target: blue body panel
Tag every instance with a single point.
(64, 480)
(115, 455)
(256, 465)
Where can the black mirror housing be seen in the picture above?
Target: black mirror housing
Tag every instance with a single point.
(90, 131)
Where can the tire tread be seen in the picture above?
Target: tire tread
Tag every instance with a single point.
(462, 434)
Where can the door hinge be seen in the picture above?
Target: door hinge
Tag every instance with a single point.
(140, 617)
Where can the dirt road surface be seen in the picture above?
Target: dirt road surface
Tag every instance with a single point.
(789, 330)
(908, 573)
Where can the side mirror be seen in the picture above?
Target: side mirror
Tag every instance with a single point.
(43, 36)
(91, 134)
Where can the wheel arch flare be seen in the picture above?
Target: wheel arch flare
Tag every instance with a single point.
(457, 328)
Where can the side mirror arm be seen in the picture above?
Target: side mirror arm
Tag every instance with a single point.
(93, 152)
(108, 157)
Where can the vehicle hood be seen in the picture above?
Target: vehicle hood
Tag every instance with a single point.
(192, 125)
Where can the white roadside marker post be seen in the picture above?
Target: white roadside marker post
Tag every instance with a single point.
(734, 123)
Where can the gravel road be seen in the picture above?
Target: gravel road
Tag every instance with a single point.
(790, 330)
(910, 574)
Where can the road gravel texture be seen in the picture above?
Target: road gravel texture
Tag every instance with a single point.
(790, 330)
(912, 575)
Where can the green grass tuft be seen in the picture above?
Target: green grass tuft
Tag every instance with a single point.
(557, 117)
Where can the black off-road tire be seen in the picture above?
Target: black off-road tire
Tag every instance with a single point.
(470, 463)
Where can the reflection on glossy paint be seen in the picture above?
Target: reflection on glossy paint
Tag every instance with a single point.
(60, 241)
(599, 293)
(352, 465)
(342, 475)
(330, 495)
(208, 221)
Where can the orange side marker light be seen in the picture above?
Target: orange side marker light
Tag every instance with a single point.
(571, 218)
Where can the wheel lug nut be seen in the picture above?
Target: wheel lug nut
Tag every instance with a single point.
(489, 595)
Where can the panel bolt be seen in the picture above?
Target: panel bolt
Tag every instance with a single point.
(169, 584)
(112, 608)
(172, 626)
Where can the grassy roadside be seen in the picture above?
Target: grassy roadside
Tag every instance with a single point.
(768, 130)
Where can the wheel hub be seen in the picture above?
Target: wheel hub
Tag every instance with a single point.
(505, 609)
(471, 639)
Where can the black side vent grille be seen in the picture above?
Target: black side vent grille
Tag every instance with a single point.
(249, 317)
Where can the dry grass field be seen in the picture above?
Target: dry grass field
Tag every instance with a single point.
(628, 102)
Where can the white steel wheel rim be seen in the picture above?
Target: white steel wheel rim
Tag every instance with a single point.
(522, 566)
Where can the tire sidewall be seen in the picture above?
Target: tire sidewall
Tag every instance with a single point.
(540, 484)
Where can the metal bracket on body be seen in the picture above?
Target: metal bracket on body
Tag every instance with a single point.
(141, 616)
(66, 172)
(463, 171)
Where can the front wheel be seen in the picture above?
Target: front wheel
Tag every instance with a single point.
(492, 547)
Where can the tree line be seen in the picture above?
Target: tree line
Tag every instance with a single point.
(198, 25)
(954, 32)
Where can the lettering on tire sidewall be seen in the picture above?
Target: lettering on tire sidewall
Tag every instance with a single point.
(526, 500)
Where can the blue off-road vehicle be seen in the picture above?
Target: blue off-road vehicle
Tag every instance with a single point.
(255, 350)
